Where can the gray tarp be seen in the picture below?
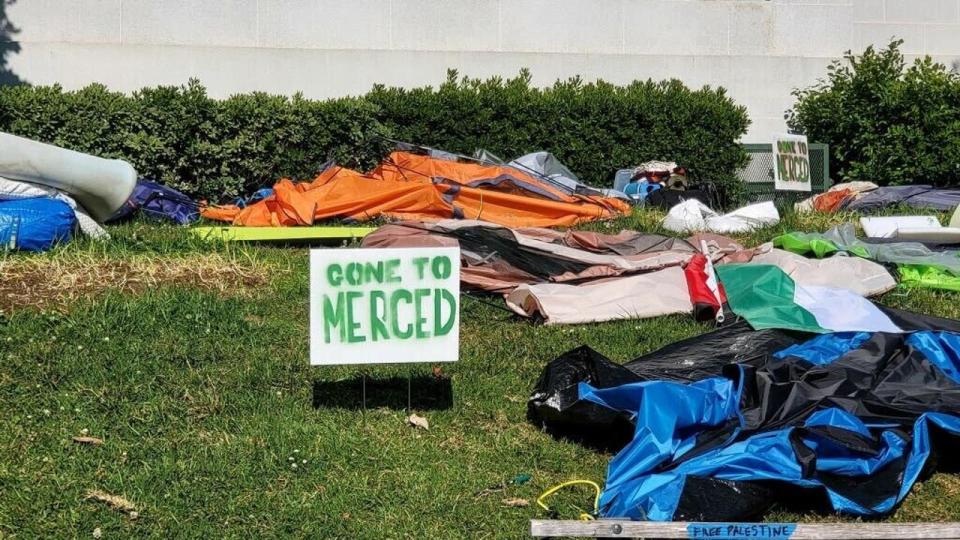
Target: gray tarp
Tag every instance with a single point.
(546, 164)
(926, 197)
(845, 238)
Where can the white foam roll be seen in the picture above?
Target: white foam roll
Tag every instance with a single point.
(100, 185)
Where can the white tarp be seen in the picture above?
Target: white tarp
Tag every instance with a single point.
(888, 226)
(911, 228)
(692, 215)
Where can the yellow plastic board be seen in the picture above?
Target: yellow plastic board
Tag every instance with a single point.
(279, 234)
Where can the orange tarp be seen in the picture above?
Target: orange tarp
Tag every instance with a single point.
(403, 188)
(831, 201)
(404, 166)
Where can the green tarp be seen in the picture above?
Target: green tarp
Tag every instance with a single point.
(918, 265)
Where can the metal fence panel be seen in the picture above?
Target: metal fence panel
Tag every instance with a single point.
(758, 174)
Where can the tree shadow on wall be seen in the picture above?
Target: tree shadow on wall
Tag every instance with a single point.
(8, 46)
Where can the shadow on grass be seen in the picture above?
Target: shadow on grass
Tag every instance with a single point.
(426, 393)
(608, 439)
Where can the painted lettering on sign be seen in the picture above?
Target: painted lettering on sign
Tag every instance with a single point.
(791, 157)
(741, 531)
(384, 305)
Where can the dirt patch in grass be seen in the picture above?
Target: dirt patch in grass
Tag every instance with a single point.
(55, 283)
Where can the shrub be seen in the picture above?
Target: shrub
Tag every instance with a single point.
(204, 147)
(885, 122)
(219, 149)
(593, 128)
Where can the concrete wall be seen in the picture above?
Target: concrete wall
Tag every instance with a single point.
(758, 49)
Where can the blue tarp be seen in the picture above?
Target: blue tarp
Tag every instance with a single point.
(159, 202)
(854, 417)
(35, 224)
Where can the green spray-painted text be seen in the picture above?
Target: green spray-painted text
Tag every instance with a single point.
(387, 313)
(341, 318)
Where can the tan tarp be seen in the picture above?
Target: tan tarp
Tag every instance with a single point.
(597, 277)
(596, 255)
(641, 296)
(664, 292)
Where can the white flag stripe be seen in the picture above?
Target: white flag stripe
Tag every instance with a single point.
(840, 310)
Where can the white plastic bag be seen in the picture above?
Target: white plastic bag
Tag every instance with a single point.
(693, 215)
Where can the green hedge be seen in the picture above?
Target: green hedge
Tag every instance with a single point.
(219, 149)
(204, 147)
(885, 122)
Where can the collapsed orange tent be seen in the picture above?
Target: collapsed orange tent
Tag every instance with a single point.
(414, 187)
(405, 166)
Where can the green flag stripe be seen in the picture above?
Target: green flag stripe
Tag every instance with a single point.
(763, 294)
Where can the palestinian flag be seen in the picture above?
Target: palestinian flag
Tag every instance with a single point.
(706, 294)
(767, 297)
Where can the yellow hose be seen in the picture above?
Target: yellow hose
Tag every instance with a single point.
(584, 516)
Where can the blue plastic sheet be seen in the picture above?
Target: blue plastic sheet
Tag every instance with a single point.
(159, 202)
(647, 478)
(942, 349)
(35, 224)
(825, 348)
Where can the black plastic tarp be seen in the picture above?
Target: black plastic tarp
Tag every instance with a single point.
(720, 426)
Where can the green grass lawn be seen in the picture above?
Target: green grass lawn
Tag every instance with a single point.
(189, 361)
